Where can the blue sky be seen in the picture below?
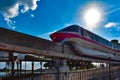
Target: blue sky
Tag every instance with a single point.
(42, 17)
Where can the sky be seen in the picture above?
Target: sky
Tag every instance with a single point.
(42, 17)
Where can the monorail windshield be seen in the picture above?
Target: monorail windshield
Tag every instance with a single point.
(72, 28)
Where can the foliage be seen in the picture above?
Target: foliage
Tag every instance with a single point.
(80, 64)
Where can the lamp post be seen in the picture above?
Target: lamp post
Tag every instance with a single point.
(17, 62)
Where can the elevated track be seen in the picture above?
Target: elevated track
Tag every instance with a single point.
(23, 43)
(17, 42)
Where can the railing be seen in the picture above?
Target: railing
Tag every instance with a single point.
(93, 74)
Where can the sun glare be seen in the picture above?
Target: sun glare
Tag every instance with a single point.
(92, 17)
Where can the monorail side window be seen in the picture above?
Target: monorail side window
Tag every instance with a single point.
(96, 38)
(101, 40)
(107, 43)
(91, 36)
(118, 47)
(79, 31)
(110, 44)
(115, 46)
(86, 34)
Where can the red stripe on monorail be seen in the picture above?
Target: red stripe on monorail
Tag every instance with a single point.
(59, 36)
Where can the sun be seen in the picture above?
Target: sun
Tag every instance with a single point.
(92, 17)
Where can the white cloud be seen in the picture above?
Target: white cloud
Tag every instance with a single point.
(32, 15)
(28, 4)
(11, 8)
(46, 35)
(10, 23)
(111, 24)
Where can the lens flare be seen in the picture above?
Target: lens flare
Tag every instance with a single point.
(92, 16)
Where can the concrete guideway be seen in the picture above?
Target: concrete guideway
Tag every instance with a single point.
(19, 42)
(25, 50)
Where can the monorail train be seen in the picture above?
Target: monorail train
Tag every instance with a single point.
(87, 43)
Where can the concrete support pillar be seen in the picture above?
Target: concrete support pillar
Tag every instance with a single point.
(63, 66)
(17, 68)
(20, 67)
(55, 68)
(32, 67)
(64, 70)
(109, 68)
(60, 65)
(41, 66)
(25, 67)
(11, 58)
(32, 70)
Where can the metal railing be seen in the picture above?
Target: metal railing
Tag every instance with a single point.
(93, 74)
